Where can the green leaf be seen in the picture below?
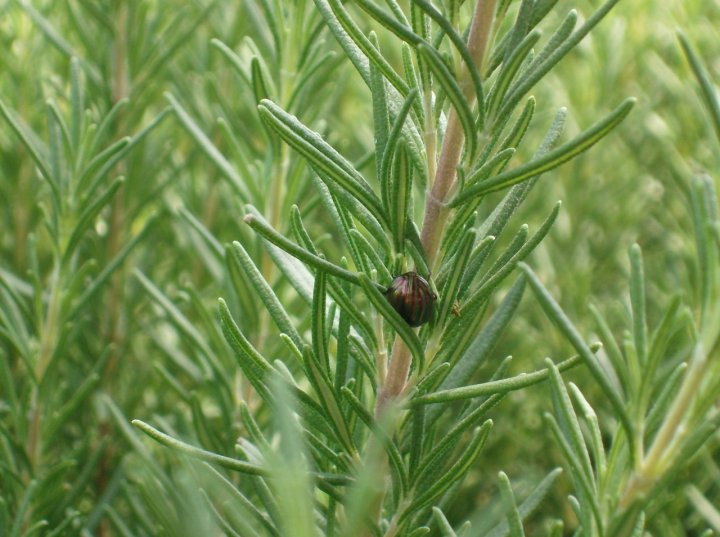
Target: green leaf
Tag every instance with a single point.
(686, 454)
(343, 221)
(412, 77)
(87, 217)
(198, 453)
(302, 280)
(398, 28)
(58, 141)
(231, 491)
(639, 529)
(258, 223)
(81, 392)
(372, 254)
(318, 320)
(321, 156)
(259, 84)
(100, 280)
(468, 324)
(455, 275)
(456, 472)
(228, 520)
(618, 365)
(236, 254)
(361, 63)
(392, 449)
(172, 42)
(207, 147)
(519, 29)
(95, 180)
(342, 353)
(704, 506)
(381, 114)
(494, 387)
(442, 523)
(33, 144)
(550, 160)
(341, 207)
(511, 510)
(520, 127)
(500, 216)
(105, 127)
(494, 164)
(364, 498)
(709, 92)
(320, 380)
(530, 504)
(421, 27)
(252, 363)
(561, 50)
(455, 94)
(400, 197)
(235, 61)
(466, 348)
(56, 38)
(516, 244)
(637, 299)
(346, 42)
(369, 48)
(555, 314)
(540, 9)
(101, 159)
(559, 36)
(77, 101)
(291, 482)
(593, 425)
(674, 321)
(704, 212)
(321, 69)
(432, 465)
(568, 420)
(461, 47)
(664, 398)
(509, 70)
(295, 271)
(393, 139)
(498, 219)
(24, 506)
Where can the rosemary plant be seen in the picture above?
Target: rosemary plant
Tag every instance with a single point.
(352, 179)
(662, 383)
(369, 390)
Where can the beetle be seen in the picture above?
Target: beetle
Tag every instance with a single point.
(410, 295)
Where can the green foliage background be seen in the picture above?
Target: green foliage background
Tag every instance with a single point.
(146, 343)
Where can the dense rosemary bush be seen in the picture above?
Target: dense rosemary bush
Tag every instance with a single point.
(295, 158)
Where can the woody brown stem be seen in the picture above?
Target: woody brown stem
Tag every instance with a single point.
(436, 212)
(435, 209)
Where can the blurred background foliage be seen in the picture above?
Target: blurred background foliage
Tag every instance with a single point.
(150, 332)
